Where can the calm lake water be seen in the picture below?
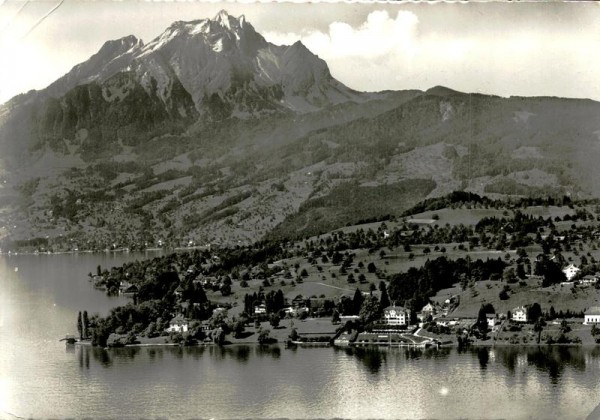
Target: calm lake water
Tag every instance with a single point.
(41, 377)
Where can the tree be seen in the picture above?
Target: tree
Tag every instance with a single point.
(264, 336)
(79, 325)
(238, 328)
(534, 312)
(509, 275)
(521, 271)
(538, 327)
(86, 325)
(481, 324)
(564, 326)
(370, 310)
(274, 320)
(385, 299)
(550, 271)
(357, 302)
(225, 290)
(335, 317)
(371, 267)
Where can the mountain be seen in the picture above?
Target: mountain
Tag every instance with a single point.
(211, 134)
(221, 66)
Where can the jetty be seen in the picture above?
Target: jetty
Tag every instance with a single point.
(69, 339)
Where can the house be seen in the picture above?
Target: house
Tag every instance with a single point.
(131, 290)
(571, 271)
(589, 280)
(260, 309)
(491, 320)
(124, 285)
(446, 322)
(298, 302)
(396, 315)
(179, 291)
(427, 310)
(592, 316)
(519, 314)
(178, 324)
(219, 310)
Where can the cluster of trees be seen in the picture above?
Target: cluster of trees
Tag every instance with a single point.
(274, 301)
(417, 285)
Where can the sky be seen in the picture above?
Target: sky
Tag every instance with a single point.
(507, 49)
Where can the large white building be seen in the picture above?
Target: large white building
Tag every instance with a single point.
(519, 314)
(571, 271)
(592, 315)
(396, 315)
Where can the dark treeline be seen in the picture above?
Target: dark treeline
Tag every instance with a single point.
(417, 285)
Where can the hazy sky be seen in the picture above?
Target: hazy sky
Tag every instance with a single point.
(501, 48)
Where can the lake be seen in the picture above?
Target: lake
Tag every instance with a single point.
(41, 377)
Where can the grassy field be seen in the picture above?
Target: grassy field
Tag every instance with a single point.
(560, 297)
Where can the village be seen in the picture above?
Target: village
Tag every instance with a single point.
(508, 277)
(389, 283)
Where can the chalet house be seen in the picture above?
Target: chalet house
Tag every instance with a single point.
(592, 316)
(571, 271)
(124, 285)
(589, 280)
(260, 309)
(396, 315)
(178, 324)
(491, 320)
(519, 314)
(427, 310)
(131, 290)
(298, 302)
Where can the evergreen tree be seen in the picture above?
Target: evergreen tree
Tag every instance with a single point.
(357, 302)
(385, 299)
(86, 324)
(79, 325)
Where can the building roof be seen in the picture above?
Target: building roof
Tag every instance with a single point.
(178, 320)
(594, 310)
(395, 308)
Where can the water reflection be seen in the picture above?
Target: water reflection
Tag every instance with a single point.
(273, 351)
(241, 353)
(371, 357)
(483, 354)
(555, 360)
(100, 355)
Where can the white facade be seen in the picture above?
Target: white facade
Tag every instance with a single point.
(396, 315)
(519, 314)
(178, 324)
(571, 271)
(592, 316)
(592, 319)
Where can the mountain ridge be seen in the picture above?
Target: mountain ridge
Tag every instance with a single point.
(208, 133)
